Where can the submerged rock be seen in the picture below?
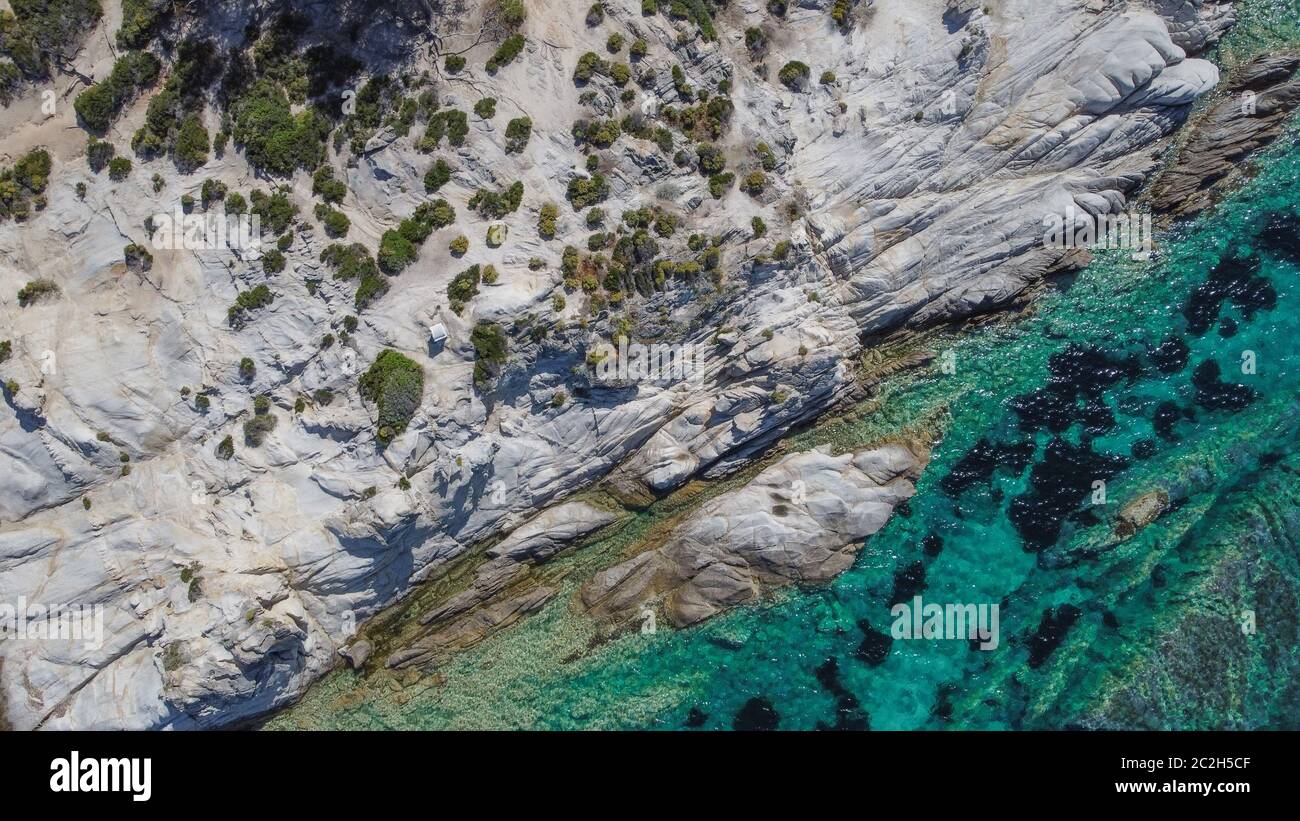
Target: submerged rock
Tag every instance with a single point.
(1141, 512)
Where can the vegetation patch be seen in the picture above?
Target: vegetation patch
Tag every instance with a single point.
(395, 384)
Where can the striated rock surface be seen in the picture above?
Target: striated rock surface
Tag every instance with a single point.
(800, 521)
(921, 175)
(1257, 100)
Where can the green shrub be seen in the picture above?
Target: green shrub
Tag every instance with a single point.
(486, 108)
(496, 204)
(211, 191)
(140, 21)
(325, 186)
(584, 192)
(336, 222)
(395, 385)
(275, 139)
(518, 132)
(437, 176)
(371, 287)
(459, 246)
(463, 287)
(490, 351)
(349, 261)
(395, 252)
(754, 183)
(794, 75)
(119, 168)
(600, 133)
(226, 449)
(506, 52)
(595, 15)
(272, 262)
(589, 65)
(720, 183)
(712, 160)
(191, 148)
(138, 257)
(275, 211)
(256, 428)
(842, 13)
(511, 13)
(256, 297)
(98, 153)
(454, 63)
(35, 290)
(247, 369)
(98, 105)
(451, 123)
(546, 220)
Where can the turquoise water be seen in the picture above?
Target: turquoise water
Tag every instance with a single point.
(1155, 638)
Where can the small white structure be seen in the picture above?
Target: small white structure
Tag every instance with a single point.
(437, 333)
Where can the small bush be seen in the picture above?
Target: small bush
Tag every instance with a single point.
(437, 176)
(35, 290)
(98, 154)
(584, 192)
(518, 132)
(256, 297)
(396, 252)
(326, 187)
(506, 52)
(395, 384)
(490, 350)
(119, 168)
(273, 262)
(794, 75)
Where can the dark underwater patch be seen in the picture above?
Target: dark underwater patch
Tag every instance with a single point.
(849, 714)
(932, 545)
(1171, 355)
(1234, 280)
(1051, 632)
(875, 645)
(1214, 394)
(696, 717)
(977, 466)
(943, 708)
(908, 582)
(1167, 415)
(1078, 371)
(757, 714)
(1058, 484)
(1282, 235)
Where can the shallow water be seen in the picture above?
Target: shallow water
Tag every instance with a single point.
(1106, 381)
